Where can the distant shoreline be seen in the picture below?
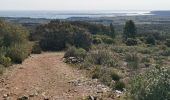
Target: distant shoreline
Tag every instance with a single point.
(69, 14)
(79, 14)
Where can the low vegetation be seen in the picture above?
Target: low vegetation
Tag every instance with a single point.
(123, 65)
(154, 84)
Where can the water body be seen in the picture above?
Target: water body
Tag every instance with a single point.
(68, 14)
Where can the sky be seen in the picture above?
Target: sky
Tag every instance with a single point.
(65, 5)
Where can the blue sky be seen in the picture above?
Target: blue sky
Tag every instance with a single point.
(84, 4)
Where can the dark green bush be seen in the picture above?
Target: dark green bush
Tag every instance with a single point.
(119, 85)
(97, 41)
(167, 42)
(150, 40)
(36, 49)
(131, 42)
(165, 52)
(82, 39)
(55, 35)
(115, 76)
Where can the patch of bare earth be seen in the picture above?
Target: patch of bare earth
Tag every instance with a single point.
(47, 77)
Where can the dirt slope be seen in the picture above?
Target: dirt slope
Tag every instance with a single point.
(47, 76)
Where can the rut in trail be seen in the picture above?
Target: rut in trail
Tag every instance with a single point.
(47, 76)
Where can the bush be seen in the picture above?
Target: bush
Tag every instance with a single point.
(150, 40)
(115, 76)
(154, 84)
(100, 57)
(19, 52)
(103, 74)
(14, 43)
(133, 60)
(167, 42)
(119, 85)
(36, 49)
(75, 52)
(82, 39)
(6, 61)
(102, 39)
(165, 52)
(131, 42)
(132, 57)
(97, 41)
(55, 35)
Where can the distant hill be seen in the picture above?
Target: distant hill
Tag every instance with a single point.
(161, 13)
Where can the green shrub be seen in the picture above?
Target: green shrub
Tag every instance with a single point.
(95, 75)
(36, 49)
(82, 39)
(55, 35)
(11, 38)
(105, 78)
(133, 65)
(145, 51)
(165, 52)
(119, 85)
(19, 52)
(115, 76)
(131, 42)
(132, 57)
(133, 60)
(6, 61)
(150, 40)
(154, 84)
(75, 52)
(167, 42)
(103, 74)
(100, 57)
(97, 39)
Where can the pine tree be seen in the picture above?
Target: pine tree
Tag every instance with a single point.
(130, 30)
(112, 31)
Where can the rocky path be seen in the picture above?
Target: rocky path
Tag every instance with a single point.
(47, 77)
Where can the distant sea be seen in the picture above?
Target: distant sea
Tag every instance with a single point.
(68, 14)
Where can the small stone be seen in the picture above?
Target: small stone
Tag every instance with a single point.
(91, 98)
(119, 92)
(5, 95)
(118, 96)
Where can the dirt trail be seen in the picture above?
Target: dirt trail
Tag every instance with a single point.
(46, 76)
